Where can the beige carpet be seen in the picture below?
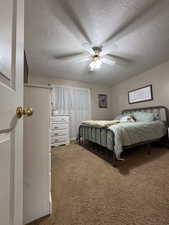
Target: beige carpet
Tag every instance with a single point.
(87, 190)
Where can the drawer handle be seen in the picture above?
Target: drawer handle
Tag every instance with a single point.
(60, 128)
(60, 123)
(56, 140)
(57, 134)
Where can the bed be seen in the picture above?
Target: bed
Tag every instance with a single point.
(117, 136)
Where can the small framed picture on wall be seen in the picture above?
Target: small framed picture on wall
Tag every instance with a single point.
(102, 101)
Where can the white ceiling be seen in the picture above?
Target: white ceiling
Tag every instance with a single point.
(135, 29)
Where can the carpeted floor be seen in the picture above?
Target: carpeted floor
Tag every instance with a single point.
(87, 190)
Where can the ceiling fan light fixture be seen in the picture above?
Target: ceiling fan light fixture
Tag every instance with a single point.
(95, 63)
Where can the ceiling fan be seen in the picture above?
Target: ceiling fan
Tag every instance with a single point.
(96, 57)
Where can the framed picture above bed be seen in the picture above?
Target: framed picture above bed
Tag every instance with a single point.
(102, 100)
(142, 94)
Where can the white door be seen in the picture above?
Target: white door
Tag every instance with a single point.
(11, 96)
(37, 156)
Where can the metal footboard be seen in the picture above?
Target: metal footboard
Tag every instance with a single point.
(84, 132)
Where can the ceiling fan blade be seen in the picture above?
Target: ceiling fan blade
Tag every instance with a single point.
(75, 57)
(118, 59)
(108, 48)
(108, 61)
(88, 48)
(67, 14)
(146, 13)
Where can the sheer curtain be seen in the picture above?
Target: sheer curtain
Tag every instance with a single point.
(72, 101)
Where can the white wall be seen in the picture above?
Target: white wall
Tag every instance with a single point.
(96, 89)
(118, 94)
(158, 77)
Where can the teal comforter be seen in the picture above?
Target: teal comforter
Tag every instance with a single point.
(126, 134)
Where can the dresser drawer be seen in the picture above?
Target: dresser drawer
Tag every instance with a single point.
(59, 130)
(59, 139)
(60, 119)
(59, 126)
(56, 133)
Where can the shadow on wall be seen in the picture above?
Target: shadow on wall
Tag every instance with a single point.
(72, 19)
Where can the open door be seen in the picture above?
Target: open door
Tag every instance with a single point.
(37, 154)
(11, 96)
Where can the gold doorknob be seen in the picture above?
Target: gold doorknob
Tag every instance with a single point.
(23, 111)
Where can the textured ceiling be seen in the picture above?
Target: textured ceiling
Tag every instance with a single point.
(134, 29)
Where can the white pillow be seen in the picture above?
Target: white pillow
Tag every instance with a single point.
(128, 118)
(144, 116)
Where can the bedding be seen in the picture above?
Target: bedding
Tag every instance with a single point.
(128, 118)
(100, 123)
(126, 134)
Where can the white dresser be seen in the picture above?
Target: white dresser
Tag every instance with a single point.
(60, 130)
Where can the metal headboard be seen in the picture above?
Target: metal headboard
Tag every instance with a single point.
(160, 112)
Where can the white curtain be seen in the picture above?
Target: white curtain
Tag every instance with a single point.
(72, 101)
